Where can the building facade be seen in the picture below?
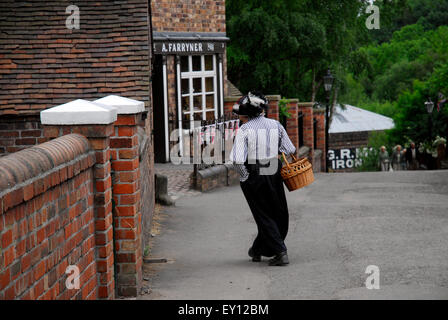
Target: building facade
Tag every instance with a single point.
(349, 136)
(189, 80)
(44, 63)
(52, 53)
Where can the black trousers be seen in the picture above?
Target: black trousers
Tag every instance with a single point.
(265, 195)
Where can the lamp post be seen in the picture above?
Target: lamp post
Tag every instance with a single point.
(328, 84)
(430, 107)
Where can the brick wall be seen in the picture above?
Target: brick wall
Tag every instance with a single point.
(292, 127)
(308, 133)
(319, 115)
(127, 203)
(47, 221)
(225, 78)
(189, 15)
(228, 104)
(348, 140)
(273, 107)
(17, 133)
(147, 185)
(99, 140)
(120, 202)
(43, 63)
(272, 110)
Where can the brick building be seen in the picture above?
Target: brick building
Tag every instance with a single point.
(349, 135)
(45, 63)
(190, 66)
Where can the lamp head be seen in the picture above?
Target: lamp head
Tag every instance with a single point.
(328, 81)
(429, 105)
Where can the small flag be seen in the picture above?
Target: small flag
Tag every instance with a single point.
(441, 101)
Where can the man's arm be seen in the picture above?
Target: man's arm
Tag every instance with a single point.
(238, 155)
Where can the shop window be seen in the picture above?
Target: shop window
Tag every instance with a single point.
(199, 88)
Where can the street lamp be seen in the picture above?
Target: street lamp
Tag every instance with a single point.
(328, 84)
(429, 107)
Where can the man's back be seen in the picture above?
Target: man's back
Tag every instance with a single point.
(261, 138)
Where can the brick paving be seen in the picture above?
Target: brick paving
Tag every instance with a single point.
(178, 179)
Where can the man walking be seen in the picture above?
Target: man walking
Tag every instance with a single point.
(384, 159)
(255, 156)
(412, 156)
(396, 158)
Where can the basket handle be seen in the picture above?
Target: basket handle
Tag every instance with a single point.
(293, 157)
(286, 161)
(284, 158)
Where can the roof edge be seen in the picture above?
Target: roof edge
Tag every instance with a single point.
(198, 36)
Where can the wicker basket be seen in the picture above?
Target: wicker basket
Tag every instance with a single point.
(297, 174)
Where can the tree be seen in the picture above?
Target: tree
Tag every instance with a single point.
(412, 122)
(286, 47)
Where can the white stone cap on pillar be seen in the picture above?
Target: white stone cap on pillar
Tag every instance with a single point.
(122, 104)
(78, 112)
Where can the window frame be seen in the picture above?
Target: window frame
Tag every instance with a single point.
(190, 75)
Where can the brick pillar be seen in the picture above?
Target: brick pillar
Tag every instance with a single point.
(126, 188)
(292, 126)
(228, 104)
(319, 115)
(308, 135)
(273, 107)
(95, 123)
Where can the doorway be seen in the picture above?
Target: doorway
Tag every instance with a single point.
(159, 111)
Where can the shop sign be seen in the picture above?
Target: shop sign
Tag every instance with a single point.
(347, 158)
(188, 47)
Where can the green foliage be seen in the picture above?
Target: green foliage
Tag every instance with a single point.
(276, 46)
(283, 110)
(396, 14)
(413, 121)
(369, 161)
(400, 76)
(146, 251)
(353, 91)
(397, 79)
(370, 157)
(430, 13)
(385, 108)
(378, 139)
(285, 46)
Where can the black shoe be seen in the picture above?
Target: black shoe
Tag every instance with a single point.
(255, 258)
(279, 260)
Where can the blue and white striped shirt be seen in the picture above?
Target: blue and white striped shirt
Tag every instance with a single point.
(259, 138)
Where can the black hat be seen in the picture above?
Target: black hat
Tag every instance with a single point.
(251, 105)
